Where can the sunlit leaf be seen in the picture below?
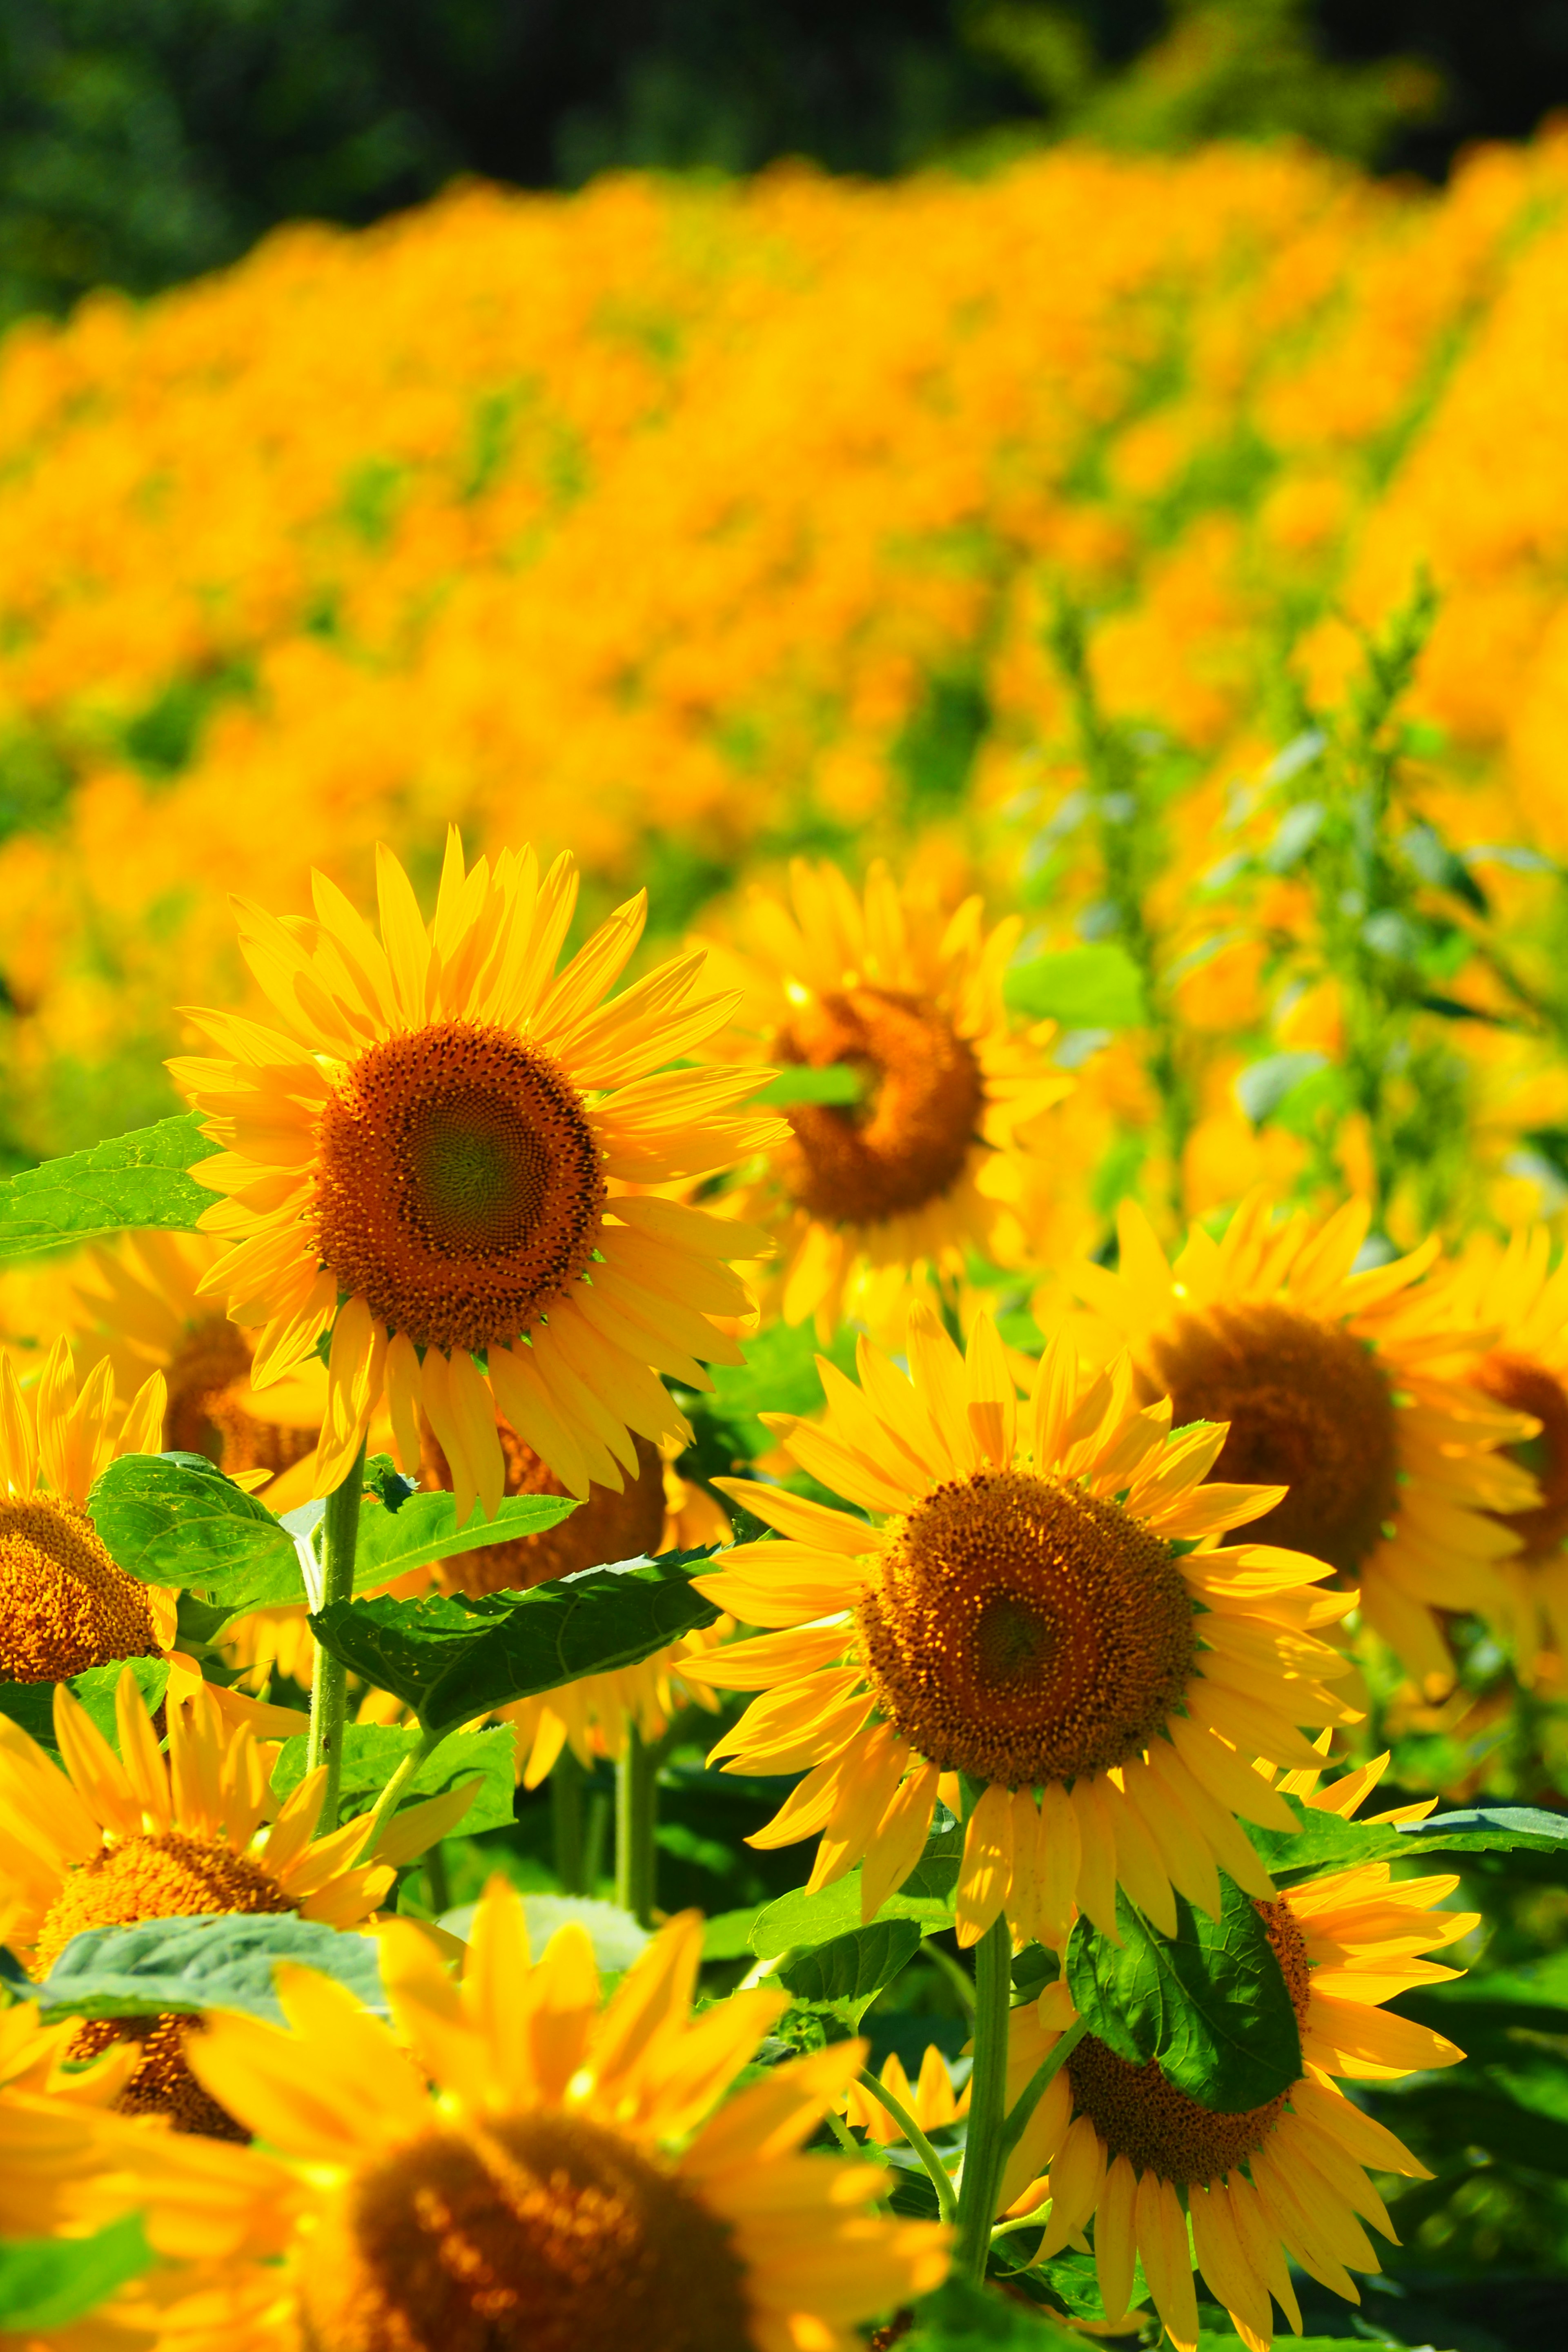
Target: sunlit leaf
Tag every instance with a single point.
(193, 1964)
(175, 1519)
(846, 1974)
(49, 2282)
(1094, 987)
(373, 1751)
(135, 1180)
(32, 1705)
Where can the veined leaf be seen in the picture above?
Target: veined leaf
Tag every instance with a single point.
(926, 1898)
(1210, 2003)
(193, 1964)
(373, 1751)
(846, 1974)
(48, 2282)
(1095, 987)
(32, 1705)
(175, 1519)
(134, 1180)
(453, 1659)
(426, 1527)
(1324, 1841)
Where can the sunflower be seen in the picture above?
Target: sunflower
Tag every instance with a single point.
(423, 1166)
(524, 2168)
(933, 1157)
(1025, 1616)
(1514, 1293)
(138, 1302)
(1346, 1389)
(1131, 2150)
(65, 1605)
(145, 1835)
(929, 2098)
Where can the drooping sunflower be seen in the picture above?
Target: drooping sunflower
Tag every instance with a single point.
(422, 1163)
(1024, 1615)
(1347, 1390)
(1128, 2147)
(523, 2169)
(65, 1605)
(934, 1155)
(148, 1835)
(1512, 1292)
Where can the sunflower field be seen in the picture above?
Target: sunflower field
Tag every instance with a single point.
(783, 1321)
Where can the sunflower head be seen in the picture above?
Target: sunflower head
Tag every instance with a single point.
(521, 2165)
(428, 1161)
(65, 1605)
(1037, 1604)
(950, 1095)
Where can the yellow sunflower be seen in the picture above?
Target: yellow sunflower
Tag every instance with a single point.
(1348, 1390)
(525, 2168)
(65, 1605)
(138, 1301)
(931, 2098)
(1131, 2150)
(1027, 1615)
(933, 1157)
(423, 1163)
(1512, 1293)
(148, 1835)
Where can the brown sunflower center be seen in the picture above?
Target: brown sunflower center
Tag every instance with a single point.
(539, 2234)
(1309, 1408)
(64, 1605)
(1022, 1631)
(164, 1875)
(1160, 2129)
(606, 1527)
(1525, 1385)
(460, 1186)
(208, 1382)
(905, 1142)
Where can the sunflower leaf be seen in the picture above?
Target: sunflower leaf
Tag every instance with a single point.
(961, 2317)
(425, 1527)
(174, 1520)
(32, 1705)
(194, 1964)
(846, 1974)
(373, 1751)
(451, 1659)
(47, 2283)
(1094, 987)
(1325, 1841)
(1210, 2003)
(802, 1922)
(133, 1180)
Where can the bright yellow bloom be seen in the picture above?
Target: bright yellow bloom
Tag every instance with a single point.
(151, 1835)
(524, 2165)
(64, 1605)
(424, 1168)
(1513, 1293)
(1021, 1616)
(933, 1157)
(1341, 1387)
(1127, 2146)
(931, 2098)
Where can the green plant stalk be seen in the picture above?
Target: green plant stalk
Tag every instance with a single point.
(985, 2153)
(940, 2177)
(1039, 2083)
(566, 1822)
(636, 1809)
(386, 1803)
(329, 1681)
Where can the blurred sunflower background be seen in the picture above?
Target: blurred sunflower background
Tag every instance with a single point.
(998, 567)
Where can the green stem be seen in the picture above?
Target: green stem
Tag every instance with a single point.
(386, 1803)
(941, 2179)
(566, 1779)
(438, 1880)
(955, 1972)
(329, 1681)
(1039, 2083)
(985, 2153)
(636, 1807)
(600, 1810)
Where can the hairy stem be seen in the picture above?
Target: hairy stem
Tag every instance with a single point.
(987, 2151)
(941, 2180)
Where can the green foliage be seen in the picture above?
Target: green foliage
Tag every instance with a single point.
(1210, 2003)
(174, 1520)
(1324, 1841)
(958, 2316)
(1083, 988)
(191, 1965)
(778, 1375)
(453, 1659)
(137, 1179)
(32, 1705)
(373, 1751)
(617, 1940)
(424, 1528)
(845, 1975)
(47, 2283)
(801, 1921)
(837, 1083)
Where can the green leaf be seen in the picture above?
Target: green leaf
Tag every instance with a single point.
(1097, 987)
(137, 1179)
(1263, 1086)
(425, 1527)
(192, 1964)
(175, 1519)
(453, 1659)
(727, 1936)
(959, 2316)
(48, 2282)
(32, 1705)
(802, 1920)
(846, 1974)
(1324, 1841)
(617, 1940)
(373, 1751)
(837, 1083)
(1210, 2003)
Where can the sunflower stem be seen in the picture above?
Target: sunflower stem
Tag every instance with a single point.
(566, 1822)
(637, 1809)
(386, 1803)
(985, 2152)
(330, 1680)
(936, 2171)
